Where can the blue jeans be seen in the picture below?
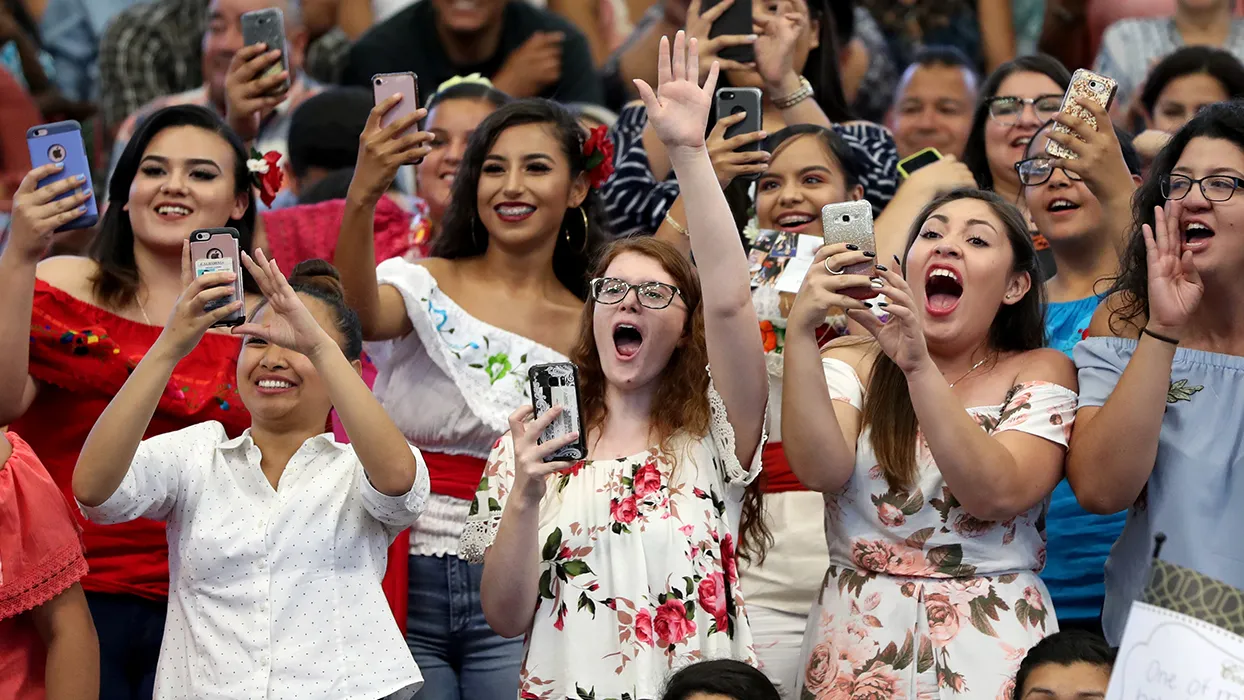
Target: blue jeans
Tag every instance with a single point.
(130, 629)
(459, 655)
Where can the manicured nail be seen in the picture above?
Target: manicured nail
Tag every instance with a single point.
(753, 37)
(869, 304)
(882, 268)
(897, 261)
(59, 166)
(81, 210)
(79, 178)
(852, 246)
(869, 254)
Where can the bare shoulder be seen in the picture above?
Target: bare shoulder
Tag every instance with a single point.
(1110, 319)
(859, 353)
(70, 273)
(1045, 365)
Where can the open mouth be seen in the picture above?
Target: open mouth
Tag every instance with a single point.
(1061, 205)
(627, 340)
(794, 221)
(274, 385)
(512, 212)
(1196, 235)
(173, 212)
(1021, 141)
(943, 288)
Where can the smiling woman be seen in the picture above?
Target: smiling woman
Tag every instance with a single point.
(72, 329)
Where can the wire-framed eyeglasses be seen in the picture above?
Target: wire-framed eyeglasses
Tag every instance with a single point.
(1215, 188)
(651, 295)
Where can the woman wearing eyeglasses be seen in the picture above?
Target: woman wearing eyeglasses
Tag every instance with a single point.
(1082, 208)
(1158, 430)
(622, 568)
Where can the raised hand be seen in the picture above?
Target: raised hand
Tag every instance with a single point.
(775, 46)
(286, 320)
(901, 336)
(190, 318)
(700, 25)
(533, 67)
(249, 91)
(728, 162)
(678, 109)
(383, 150)
(529, 465)
(1175, 286)
(1100, 157)
(37, 213)
(823, 287)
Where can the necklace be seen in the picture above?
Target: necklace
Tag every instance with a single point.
(142, 309)
(974, 368)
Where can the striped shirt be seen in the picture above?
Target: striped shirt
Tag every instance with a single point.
(1131, 47)
(637, 203)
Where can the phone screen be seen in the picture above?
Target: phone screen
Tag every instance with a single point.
(915, 161)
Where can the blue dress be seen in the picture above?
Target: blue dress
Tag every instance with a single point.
(1193, 495)
(1078, 541)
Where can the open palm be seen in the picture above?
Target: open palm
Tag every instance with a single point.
(287, 322)
(1175, 286)
(678, 109)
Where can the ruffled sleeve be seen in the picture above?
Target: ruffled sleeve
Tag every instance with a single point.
(844, 384)
(485, 514)
(725, 444)
(41, 552)
(1043, 409)
(1099, 363)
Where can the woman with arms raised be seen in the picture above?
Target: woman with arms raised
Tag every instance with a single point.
(502, 291)
(277, 537)
(937, 443)
(1158, 430)
(622, 567)
(72, 329)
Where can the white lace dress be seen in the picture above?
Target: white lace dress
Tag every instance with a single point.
(639, 574)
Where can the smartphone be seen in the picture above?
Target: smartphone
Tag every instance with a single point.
(216, 250)
(62, 143)
(737, 19)
(851, 222)
(918, 160)
(267, 26)
(557, 384)
(1084, 83)
(386, 85)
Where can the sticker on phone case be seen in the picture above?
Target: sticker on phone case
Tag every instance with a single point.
(203, 267)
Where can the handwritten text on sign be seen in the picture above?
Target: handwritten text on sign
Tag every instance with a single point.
(1166, 655)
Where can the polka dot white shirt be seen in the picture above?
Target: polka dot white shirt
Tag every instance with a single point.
(272, 593)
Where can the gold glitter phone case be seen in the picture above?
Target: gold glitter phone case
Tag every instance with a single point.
(1084, 83)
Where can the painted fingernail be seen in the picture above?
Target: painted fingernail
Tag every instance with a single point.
(869, 254)
(852, 246)
(58, 166)
(79, 178)
(897, 261)
(882, 268)
(869, 304)
(81, 210)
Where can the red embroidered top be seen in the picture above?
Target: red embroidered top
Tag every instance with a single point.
(81, 355)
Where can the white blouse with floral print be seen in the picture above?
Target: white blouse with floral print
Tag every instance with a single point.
(922, 600)
(639, 569)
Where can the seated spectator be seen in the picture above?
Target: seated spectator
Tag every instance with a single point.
(934, 102)
(1130, 47)
(1068, 665)
(719, 679)
(1181, 85)
(525, 51)
(72, 31)
(220, 42)
(323, 137)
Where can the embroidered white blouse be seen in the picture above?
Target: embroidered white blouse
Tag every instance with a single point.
(273, 593)
(450, 386)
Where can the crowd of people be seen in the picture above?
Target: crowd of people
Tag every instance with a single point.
(935, 470)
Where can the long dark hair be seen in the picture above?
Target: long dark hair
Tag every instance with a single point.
(463, 235)
(320, 280)
(1191, 60)
(467, 91)
(116, 284)
(1016, 328)
(974, 151)
(1224, 120)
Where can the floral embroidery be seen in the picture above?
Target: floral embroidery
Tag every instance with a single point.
(1180, 391)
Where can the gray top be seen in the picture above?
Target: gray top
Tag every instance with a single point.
(1195, 495)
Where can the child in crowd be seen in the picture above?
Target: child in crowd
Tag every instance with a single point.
(1067, 665)
(277, 538)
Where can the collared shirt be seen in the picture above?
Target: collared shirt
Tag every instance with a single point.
(1131, 47)
(273, 593)
(273, 133)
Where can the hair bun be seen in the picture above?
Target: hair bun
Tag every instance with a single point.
(319, 274)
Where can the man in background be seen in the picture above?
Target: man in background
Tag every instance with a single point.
(934, 102)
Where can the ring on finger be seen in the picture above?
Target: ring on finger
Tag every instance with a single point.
(831, 270)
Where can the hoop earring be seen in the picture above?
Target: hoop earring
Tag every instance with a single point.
(583, 211)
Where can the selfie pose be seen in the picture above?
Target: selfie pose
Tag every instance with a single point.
(621, 568)
(936, 443)
(277, 537)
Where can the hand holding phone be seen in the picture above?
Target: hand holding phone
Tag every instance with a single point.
(386, 85)
(62, 194)
(557, 385)
(267, 27)
(851, 223)
(739, 143)
(382, 151)
(1085, 84)
(215, 252)
(205, 302)
(724, 30)
(250, 92)
(918, 160)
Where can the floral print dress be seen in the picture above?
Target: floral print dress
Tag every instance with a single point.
(639, 575)
(922, 600)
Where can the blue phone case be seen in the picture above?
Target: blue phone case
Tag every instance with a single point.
(62, 143)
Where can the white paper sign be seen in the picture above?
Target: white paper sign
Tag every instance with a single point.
(792, 276)
(1167, 655)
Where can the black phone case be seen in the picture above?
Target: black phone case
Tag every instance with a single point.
(557, 384)
(267, 26)
(736, 20)
(733, 100)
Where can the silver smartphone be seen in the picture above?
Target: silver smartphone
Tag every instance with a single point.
(852, 222)
(267, 26)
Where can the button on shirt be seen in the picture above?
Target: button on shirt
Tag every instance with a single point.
(272, 593)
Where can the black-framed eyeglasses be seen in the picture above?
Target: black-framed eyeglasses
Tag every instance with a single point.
(1007, 110)
(651, 295)
(1037, 170)
(1215, 188)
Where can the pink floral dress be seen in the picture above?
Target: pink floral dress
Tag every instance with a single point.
(639, 575)
(922, 600)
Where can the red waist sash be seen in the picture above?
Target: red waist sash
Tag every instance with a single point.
(776, 476)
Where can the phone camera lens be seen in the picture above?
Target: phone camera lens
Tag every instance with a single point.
(728, 95)
(378, 81)
(846, 218)
(56, 153)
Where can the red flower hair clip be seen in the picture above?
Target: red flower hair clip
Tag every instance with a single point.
(598, 150)
(265, 174)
